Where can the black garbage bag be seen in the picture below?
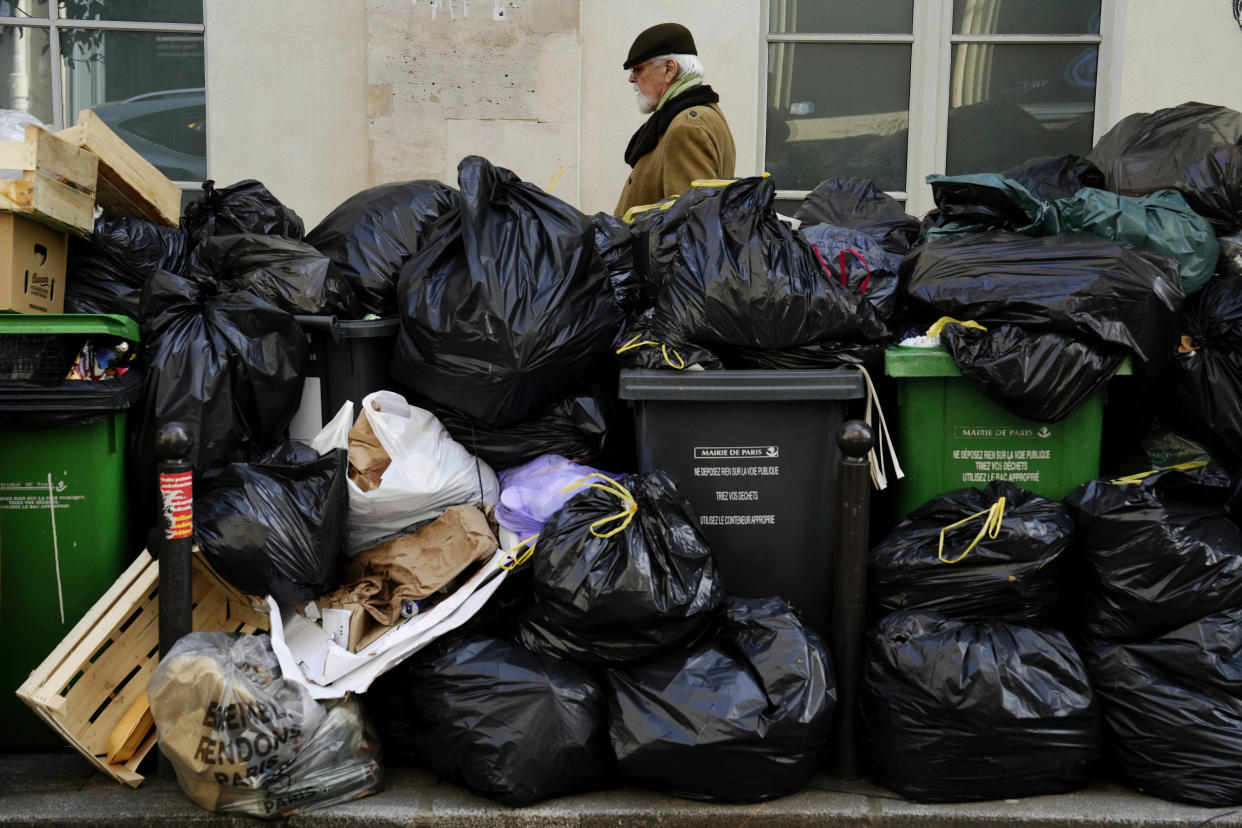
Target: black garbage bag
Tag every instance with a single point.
(1230, 262)
(1207, 375)
(245, 207)
(105, 272)
(290, 274)
(575, 427)
(1011, 576)
(1107, 292)
(858, 262)
(615, 245)
(1039, 375)
(637, 348)
(227, 366)
(742, 278)
(1050, 177)
(858, 204)
(1173, 710)
(274, 527)
(508, 305)
(960, 712)
(1195, 148)
(741, 718)
(371, 234)
(622, 572)
(1161, 550)
(980, 201)
(656, 232)
(508, 724)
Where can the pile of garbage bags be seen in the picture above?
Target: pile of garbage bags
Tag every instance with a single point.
(450, 570)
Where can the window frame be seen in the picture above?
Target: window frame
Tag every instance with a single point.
(931, 50)
(54, 23)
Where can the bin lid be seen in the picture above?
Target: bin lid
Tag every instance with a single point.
(112, 324)
(902, 361)
(744, 386)
(341, 329)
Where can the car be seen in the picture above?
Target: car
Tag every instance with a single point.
(168, 128)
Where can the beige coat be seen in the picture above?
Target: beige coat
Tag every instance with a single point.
(698, 144)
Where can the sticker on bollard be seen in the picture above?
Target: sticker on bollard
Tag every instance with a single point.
(177, 493)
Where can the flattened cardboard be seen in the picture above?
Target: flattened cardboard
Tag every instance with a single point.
(32, 266)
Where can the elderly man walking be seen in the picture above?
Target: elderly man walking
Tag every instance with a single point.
(686, 136)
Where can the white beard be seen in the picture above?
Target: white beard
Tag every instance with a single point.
(645, 105)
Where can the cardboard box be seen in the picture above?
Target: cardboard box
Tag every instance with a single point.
(32, 266)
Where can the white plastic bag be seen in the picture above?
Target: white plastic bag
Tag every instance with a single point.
(13, 123)
(430, 471)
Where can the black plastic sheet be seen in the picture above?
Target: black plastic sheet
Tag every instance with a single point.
(1039, 375)
(1012, 577)
(274, 527)
(741, 718)
(961, 712)
(508, 724)
(1109, 293)
(1160, 552)
(1173, 710)
(1194, 148)
(1051, 177)
(244, 207)
(859, 204)
(373, 233)
(507, 306)
(612, 599)
(290, 274)
(1208, 378)
(656, 232)
(742, 278)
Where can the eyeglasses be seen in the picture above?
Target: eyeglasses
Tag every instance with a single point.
(634, 72)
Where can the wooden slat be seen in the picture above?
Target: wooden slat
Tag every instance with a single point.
(16, 155)
(65, 162)
(128, 183)
(116, 653)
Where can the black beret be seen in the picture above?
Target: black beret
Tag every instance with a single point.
(661, 39)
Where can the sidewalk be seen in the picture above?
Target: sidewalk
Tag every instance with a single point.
(63, 789)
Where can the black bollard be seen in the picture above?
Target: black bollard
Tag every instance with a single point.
(176, 473)
(849, 602)
(175, 543)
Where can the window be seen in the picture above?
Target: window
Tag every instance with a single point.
(137, 63)
(896, 89)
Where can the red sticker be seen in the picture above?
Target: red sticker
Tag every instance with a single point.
(177, 491)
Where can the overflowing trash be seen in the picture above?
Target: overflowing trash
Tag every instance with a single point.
(452, 567)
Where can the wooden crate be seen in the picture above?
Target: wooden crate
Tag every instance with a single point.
(128, 185)
(88, 683)
(57, 186)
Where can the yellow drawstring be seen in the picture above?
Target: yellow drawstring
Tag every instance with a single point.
(556, 176)
(991, 527)
(518, 560)
(664, 349)
(940, 323)
(1138, 478)
(628, 218)
(612, 487)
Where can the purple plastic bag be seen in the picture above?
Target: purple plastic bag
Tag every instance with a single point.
(533, 492)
